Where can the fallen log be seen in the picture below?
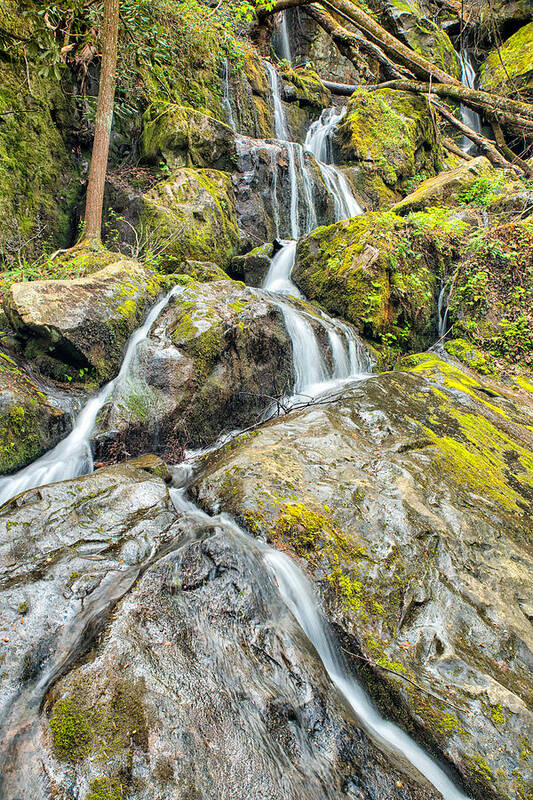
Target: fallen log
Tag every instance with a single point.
(452, 147)
(484, 144)
(350, 43)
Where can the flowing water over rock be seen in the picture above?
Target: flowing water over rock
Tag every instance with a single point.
(319, 142)
(72, 456)
(469, 117)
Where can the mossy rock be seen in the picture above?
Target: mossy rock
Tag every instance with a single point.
(509, 69)
(305, 88)
(39, 180)
(381, 495)
(389, 133)
(191, 216)
(253, 266)
(445, 188)
(85, 322)
(183, 137)
(410, 21)
(380, 272)
(29, 423)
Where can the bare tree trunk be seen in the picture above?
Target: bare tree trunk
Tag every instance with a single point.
(104, 118)
(451, 146)
(506, 150)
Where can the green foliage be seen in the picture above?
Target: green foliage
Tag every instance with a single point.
(482, 193)
(70, 730)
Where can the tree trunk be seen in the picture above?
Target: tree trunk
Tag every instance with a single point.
(513, 112)
(482, 142)
(350, 42)
(104, 118)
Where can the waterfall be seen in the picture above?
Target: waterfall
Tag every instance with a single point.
(319, 142)
(349, 359)
(226, 96)
(469, 117)
(280, 120)
(443, 309)
(297, 593)
(283, 49)
(72, 456)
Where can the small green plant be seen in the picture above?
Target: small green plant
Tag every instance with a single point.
(481, 193)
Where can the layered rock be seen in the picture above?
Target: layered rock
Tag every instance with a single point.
(85, 321)
(213, 361)
(409, 501)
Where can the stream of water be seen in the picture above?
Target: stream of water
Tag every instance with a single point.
(469, 117)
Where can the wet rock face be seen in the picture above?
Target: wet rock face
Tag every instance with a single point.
(68, 551)
(85, 321)
(203, 687)
(213, 359)
(262, 184)
(410, 501)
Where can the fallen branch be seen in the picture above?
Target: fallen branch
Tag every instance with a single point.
(450, 145)
(506, 150)
(405, 678)
(491, 152)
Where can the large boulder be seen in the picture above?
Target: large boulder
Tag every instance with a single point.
(183, 137)
(389, 134)
(84, 321)
(409, 502)
(30, 421)
(157, 660)
(510, 67)
(445, 188)
(191, 215)
(380, 271)
(214, 359)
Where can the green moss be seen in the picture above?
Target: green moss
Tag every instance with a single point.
(469, 355)
(71, 732)
(497, 715)
(105, 789)
(81, 728)
(510, 66)
(479, 769)
(391, 133)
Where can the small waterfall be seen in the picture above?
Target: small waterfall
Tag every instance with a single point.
(280, 120)
(72, 456)
(319, 142)
(282, 43)
(297, 593)
(469, 117)
(310, 220)
(274, 190)
(226, 96)
(293, 179)
(349, 358)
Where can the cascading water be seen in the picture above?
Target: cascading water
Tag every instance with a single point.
(283, 45)
(469, 117)
(226, 96)
(442, 310)
(72, 456)
(318, 142)
(298, 595)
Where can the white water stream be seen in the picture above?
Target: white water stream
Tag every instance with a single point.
(72, 456)
(469, 117)
(319, 142)
(226, 96)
